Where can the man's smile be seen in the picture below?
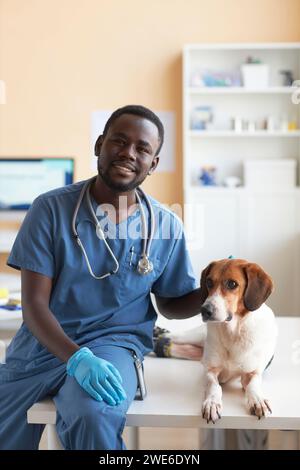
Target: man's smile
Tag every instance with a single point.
(124, 168)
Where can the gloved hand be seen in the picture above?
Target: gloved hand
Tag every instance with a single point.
(97, 376)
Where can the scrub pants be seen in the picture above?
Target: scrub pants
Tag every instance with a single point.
(82, 422)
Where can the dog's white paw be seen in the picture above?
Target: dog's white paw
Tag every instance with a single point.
(211, 409)
(258, 406)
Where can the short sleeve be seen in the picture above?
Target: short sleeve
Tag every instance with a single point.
(178, 277)
(33, 247)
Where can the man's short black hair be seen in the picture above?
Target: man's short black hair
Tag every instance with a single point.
(138, 110)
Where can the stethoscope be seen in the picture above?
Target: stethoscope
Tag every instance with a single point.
(145, 266)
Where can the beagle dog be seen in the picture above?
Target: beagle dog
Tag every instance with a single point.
(238, 335)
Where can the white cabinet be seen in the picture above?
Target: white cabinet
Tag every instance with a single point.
(270, 236)
(263, 227)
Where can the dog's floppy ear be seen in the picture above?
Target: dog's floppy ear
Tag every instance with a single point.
(259, 286)
(203, 288)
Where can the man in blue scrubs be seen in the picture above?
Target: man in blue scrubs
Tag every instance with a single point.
(79, 333)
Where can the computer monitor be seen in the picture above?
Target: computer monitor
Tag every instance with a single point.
(23, 179)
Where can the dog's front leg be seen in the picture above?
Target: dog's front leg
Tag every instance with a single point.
(257, 405)
(212, 405)
(188, 344)
(196, 336)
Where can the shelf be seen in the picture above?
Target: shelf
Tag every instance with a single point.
(232, 134)
(242, 46)
(239, 90)
(221, 190)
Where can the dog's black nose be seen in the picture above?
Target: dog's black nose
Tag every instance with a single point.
(206, 312)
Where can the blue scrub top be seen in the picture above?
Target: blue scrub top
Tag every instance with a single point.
(115, 310)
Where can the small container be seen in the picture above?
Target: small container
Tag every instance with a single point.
(270, 124)
(237, 124)
(208, 175)
(270, 174)
(4, 294)
(284, 123)
(255, 75)
(232, 182)
(201, 117)
(251, 126)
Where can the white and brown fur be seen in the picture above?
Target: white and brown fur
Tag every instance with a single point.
(239, 334)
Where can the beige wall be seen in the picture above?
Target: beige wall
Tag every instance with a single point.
(62, 59)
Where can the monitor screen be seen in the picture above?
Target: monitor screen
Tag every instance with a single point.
(23, 179)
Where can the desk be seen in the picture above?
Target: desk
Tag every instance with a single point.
(10, 321)
(7, 316)
(176, 389)
(11, 281)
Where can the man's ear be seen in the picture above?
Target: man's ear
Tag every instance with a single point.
(259, 286)
(203, 288)
(153, 165)
(98, 145)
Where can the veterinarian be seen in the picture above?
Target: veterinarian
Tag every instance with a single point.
(86, 292)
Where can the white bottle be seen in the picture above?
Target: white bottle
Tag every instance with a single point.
(284, 123)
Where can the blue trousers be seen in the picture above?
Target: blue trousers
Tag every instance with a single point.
(82, 422)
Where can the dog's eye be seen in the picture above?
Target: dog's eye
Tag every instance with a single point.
(209, 283)
(230, 284)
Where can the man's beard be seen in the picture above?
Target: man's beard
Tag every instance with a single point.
(121, 187)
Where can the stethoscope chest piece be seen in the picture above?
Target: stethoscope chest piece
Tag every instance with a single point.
(145, 266)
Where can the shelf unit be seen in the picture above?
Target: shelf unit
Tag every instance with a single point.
(259, 225)
(252, 104)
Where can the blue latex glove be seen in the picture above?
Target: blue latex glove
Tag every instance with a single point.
(98, 377)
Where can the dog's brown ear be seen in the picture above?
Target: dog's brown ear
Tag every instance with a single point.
(203, 288)
(259, 286)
